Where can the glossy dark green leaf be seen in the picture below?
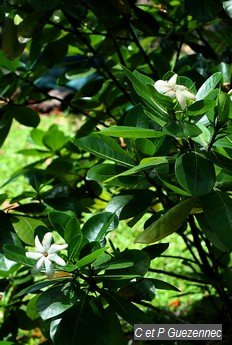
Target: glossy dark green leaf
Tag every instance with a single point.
(59, 221)
(10, 44)
(208, 86)
(102, 172)
(170, 222)
(219, 160)
(224, 108)
(145, 164)
(156, 250)
(141, 289)
(181, 129)
(76, 332)
(115, 334)
(195, 173)
(24, 227)
(88, 259)
(129, 205)
(54, 52)
(200, 107)
(8, 84)
(26, 116)
(124, 308)
(53, 302)
(40, 285)
(99, 225)
(217, 208)
(74, 238)
(161, 285)
(17, 254)
(145, 146)
(140, 260)
(106, 148)
(130, 132)
(144, 93)
(44, 5)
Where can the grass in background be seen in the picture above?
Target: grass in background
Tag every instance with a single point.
(18, 139)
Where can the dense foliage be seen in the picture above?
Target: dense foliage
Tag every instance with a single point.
(149, 82)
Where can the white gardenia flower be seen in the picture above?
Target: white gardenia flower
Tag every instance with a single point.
(171, 89)
(46, 254)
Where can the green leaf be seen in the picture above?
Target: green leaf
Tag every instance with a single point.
(146, 146)
(54, 52)
(31, 310)
(195, 173)
(102, 172)
(99, 225)
(217, 208)
(224, 108)
(59, 221)
(156, 250)
(76, 245)
(161, 285)
(37, 135)
(43, 5)
(124, 308)
(8, 85)
(200, 107)
(40, 285)
(54, 139)
(10, 44)
(88, 259)
(170, 222)
(143, 91)
(181, 129)
(106, 148)
(35, 152)
(6, 266)
(139, 259)
(72, 328)
(130, 132)
(141, 289)
(208, 86)
(24, 115)
(53, 302)
(146, 163)
(129, 205)
(73, 237)
(17, 254)
(115, 335)
(24, 227)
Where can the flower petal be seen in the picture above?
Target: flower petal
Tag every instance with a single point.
(38, 266)
(170, 93)
(47, 241)
(38, 245)
(56, 248)
(161, 86)
(57, 259)
(33, 255)
(181, 87)
(189, 95)
(172, 80)
(181, 99)
(49, 268)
